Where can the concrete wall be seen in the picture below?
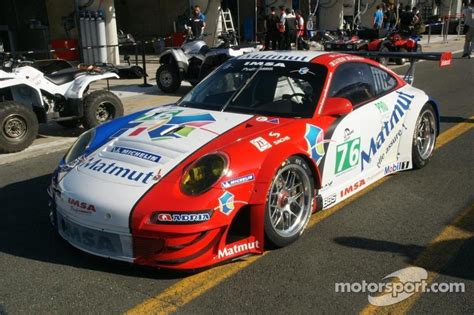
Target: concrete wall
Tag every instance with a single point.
(56, 10)
(330, 18)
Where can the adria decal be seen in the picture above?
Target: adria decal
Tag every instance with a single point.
(181, 218)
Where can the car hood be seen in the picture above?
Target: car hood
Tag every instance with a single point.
(136, 156)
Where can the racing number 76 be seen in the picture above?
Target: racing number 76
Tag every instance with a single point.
(347, 155)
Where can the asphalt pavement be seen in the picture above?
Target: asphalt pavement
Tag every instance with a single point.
(385, 230)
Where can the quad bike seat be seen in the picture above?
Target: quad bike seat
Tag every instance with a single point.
(64, 76)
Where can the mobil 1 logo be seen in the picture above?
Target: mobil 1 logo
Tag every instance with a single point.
(347, 155)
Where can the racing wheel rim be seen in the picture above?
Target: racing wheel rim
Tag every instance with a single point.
(289, 200)
(425, 135)
(166, 78)
(104, 112)
(15, 127)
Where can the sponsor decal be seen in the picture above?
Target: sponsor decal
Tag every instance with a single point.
(348, 133)
(402, 105)
(264, 64)
(281, 140)
(137, 153)
(238, 181)
(315, 139)
(173, 217)
(237, 249)
(167, 125)
(261, 144)
(80, 206)
(352, 188)
(113, 169)
(303, 70)
(275, 121)
(274, 134)
(347, 155)
(329, 200)
(390, 145)
(382, 107)
(89, 239)
(274, 57)
(344, 59)
(395, 167)
(226, 203)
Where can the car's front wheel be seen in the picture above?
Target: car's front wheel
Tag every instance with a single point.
(424, 137)
(167, 78)
(289, 202)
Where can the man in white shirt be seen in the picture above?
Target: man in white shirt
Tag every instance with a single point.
(468, 16)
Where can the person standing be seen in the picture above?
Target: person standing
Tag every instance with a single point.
(290, 29)
(468, 16)
(391, 18)
(195, 25)
(200, 15)
(282, 28)
(406, 20)
(378, 18)
(271, 40)
(300, 43)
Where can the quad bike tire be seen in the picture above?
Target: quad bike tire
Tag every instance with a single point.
(384, 60)
(18, 127)
(100, 107)
(167, 78)
(401, 61)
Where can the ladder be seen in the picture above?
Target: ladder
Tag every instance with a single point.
(224, 24)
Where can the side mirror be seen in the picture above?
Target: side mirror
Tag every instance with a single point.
(336, 106)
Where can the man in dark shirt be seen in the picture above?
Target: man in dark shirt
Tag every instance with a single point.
(406, 19)
(272, 36)
(195, 24)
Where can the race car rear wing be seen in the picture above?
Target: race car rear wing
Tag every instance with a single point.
(444, 59)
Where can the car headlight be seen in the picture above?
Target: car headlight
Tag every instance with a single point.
(80, 146)
(203, 173)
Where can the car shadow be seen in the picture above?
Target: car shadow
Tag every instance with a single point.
(25, 231)
(460, 265)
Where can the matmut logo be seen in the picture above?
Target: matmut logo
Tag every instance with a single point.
(237, 249)
(80, 205)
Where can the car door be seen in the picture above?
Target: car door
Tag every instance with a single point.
(350, 159)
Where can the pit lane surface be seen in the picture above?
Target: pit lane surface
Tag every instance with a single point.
(382, 231)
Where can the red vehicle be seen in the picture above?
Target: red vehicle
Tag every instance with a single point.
(242, 160)
(395, 42)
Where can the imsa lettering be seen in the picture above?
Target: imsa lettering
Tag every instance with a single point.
(352, 188)
(81, 206)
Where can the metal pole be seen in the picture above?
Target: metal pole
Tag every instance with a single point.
(145, 83)
(429, 33)
(256, 18)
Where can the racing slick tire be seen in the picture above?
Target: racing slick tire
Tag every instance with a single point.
(384, 60)
(424, 137)
(289, 202)
(167, 78)
(18, 127)
(100, 107)
(401, 61)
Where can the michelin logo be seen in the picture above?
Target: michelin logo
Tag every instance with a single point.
(137, 153)
(238, 181)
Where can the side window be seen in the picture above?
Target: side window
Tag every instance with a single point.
(353, 81)
(383, 81)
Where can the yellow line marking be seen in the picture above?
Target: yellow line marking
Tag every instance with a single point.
(193, 286)
(435, 256)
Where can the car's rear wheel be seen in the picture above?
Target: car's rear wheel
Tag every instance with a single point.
(384, 60)
(289, 202)
(167, 78)
(424, 137)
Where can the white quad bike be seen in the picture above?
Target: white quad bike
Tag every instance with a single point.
(194, 60)
(29, 97)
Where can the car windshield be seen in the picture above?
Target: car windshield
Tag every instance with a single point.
(260, 87)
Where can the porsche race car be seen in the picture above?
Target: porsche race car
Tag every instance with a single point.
(242, 160)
